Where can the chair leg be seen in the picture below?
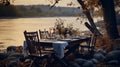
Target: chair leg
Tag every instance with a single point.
(43, 48)
(82, 50)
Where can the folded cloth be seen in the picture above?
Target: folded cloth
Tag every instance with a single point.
(59, 47)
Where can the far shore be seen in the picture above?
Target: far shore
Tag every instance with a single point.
(34, 17)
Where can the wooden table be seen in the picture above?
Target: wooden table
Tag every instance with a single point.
(71, 43)
(71, 46)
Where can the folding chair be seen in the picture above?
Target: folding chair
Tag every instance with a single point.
(45, 35)
(32, 41)
(89, 46)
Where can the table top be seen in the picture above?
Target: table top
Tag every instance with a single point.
(49, 42)
(67, 39)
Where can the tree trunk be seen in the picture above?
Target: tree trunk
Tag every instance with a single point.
(89, 17)
(110, 18)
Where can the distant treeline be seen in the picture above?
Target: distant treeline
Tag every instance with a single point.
(37, 10)
(40, 11)
(8, 11)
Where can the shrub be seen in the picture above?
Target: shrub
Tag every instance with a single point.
(64, 30)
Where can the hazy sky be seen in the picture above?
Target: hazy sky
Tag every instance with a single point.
(46, 2)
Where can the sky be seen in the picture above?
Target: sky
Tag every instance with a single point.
(44, 2)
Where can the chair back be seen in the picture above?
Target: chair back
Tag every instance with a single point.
(32, 41)
(89, 46)
(93, 41)
(44, 34)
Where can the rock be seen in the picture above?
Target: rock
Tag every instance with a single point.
(99, 56)
(89, 63)
(3, 56)
(95, 61)
(11, 48)
(74, 64)
(80, 61)
(113, 55)
(17, 55)
(12, 64)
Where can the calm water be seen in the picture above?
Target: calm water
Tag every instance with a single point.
(11, 30)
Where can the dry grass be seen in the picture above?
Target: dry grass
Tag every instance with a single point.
(104, 42)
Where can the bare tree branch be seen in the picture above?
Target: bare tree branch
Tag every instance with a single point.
(56, 1)
(88, 15)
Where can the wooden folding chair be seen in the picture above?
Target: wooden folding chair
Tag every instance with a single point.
(45, 35)
(89, 47)
(32, 41)
(92, 41)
